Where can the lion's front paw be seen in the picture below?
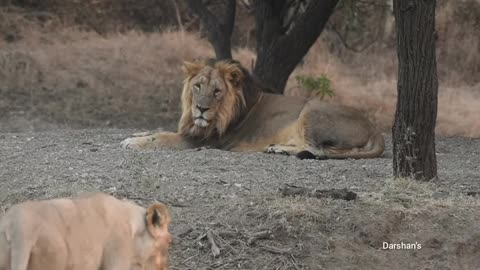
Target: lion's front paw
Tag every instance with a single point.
(134, 143)
(276, 149)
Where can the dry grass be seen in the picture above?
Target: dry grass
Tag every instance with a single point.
(81, 79)
(367, 80)
(334, 234)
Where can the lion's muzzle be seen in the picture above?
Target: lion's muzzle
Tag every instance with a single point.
(201, 122)
(201, 116)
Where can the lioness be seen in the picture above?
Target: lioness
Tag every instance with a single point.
(93, 231)
(222, 107)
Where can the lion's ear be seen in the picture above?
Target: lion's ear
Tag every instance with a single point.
(157, 218)
(235, 77)
(191, 68)
(232, 72)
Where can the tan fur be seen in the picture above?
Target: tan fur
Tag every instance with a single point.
(93, 231)
(222, 107)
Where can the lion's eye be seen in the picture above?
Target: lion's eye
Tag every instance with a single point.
(216, 92)
(196, 86)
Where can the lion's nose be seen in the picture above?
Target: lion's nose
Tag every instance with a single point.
(202, 109)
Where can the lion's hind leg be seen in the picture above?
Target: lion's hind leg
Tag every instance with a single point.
(282, 149)
(299, 152)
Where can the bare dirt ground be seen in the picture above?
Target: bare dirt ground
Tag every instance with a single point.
(226, 198)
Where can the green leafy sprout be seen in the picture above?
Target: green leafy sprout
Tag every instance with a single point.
(320, 86)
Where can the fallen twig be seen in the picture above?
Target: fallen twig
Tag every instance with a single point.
(176, 238)
(267, 234)
(46, 146)
(184, 232)
(276, 250)
(339, 194)
(214, 246)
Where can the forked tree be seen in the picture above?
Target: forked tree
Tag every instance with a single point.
(285, 31)
(416, 112)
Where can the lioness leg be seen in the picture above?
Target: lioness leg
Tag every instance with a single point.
(157, 140)
(4, 252)
(20, 248)
(49, 252)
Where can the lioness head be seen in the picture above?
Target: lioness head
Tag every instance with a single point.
(213, 97)
(153, 240)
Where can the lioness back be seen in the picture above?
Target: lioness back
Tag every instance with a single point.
(92, 231)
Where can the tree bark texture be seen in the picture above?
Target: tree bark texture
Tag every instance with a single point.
(416, 112)
(219, 30)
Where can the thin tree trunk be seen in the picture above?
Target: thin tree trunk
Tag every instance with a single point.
(416, 113)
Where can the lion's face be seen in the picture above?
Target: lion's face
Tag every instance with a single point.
(212, 98)
(207, 90)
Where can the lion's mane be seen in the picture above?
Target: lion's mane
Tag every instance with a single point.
(241, 93)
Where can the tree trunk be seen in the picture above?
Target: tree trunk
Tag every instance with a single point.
(219, 30)
(416, 113)
(285, 31)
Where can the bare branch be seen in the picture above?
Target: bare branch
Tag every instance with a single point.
(342, 194)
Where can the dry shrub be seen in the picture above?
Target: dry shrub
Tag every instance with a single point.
(106, 16)
(84, 79)
(458, 45)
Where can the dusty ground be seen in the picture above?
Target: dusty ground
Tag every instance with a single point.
(231, 196)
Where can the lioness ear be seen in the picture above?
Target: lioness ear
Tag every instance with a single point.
(157, 219)
(191, 68)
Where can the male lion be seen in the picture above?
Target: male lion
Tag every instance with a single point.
(222, 107)
(93, 231)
